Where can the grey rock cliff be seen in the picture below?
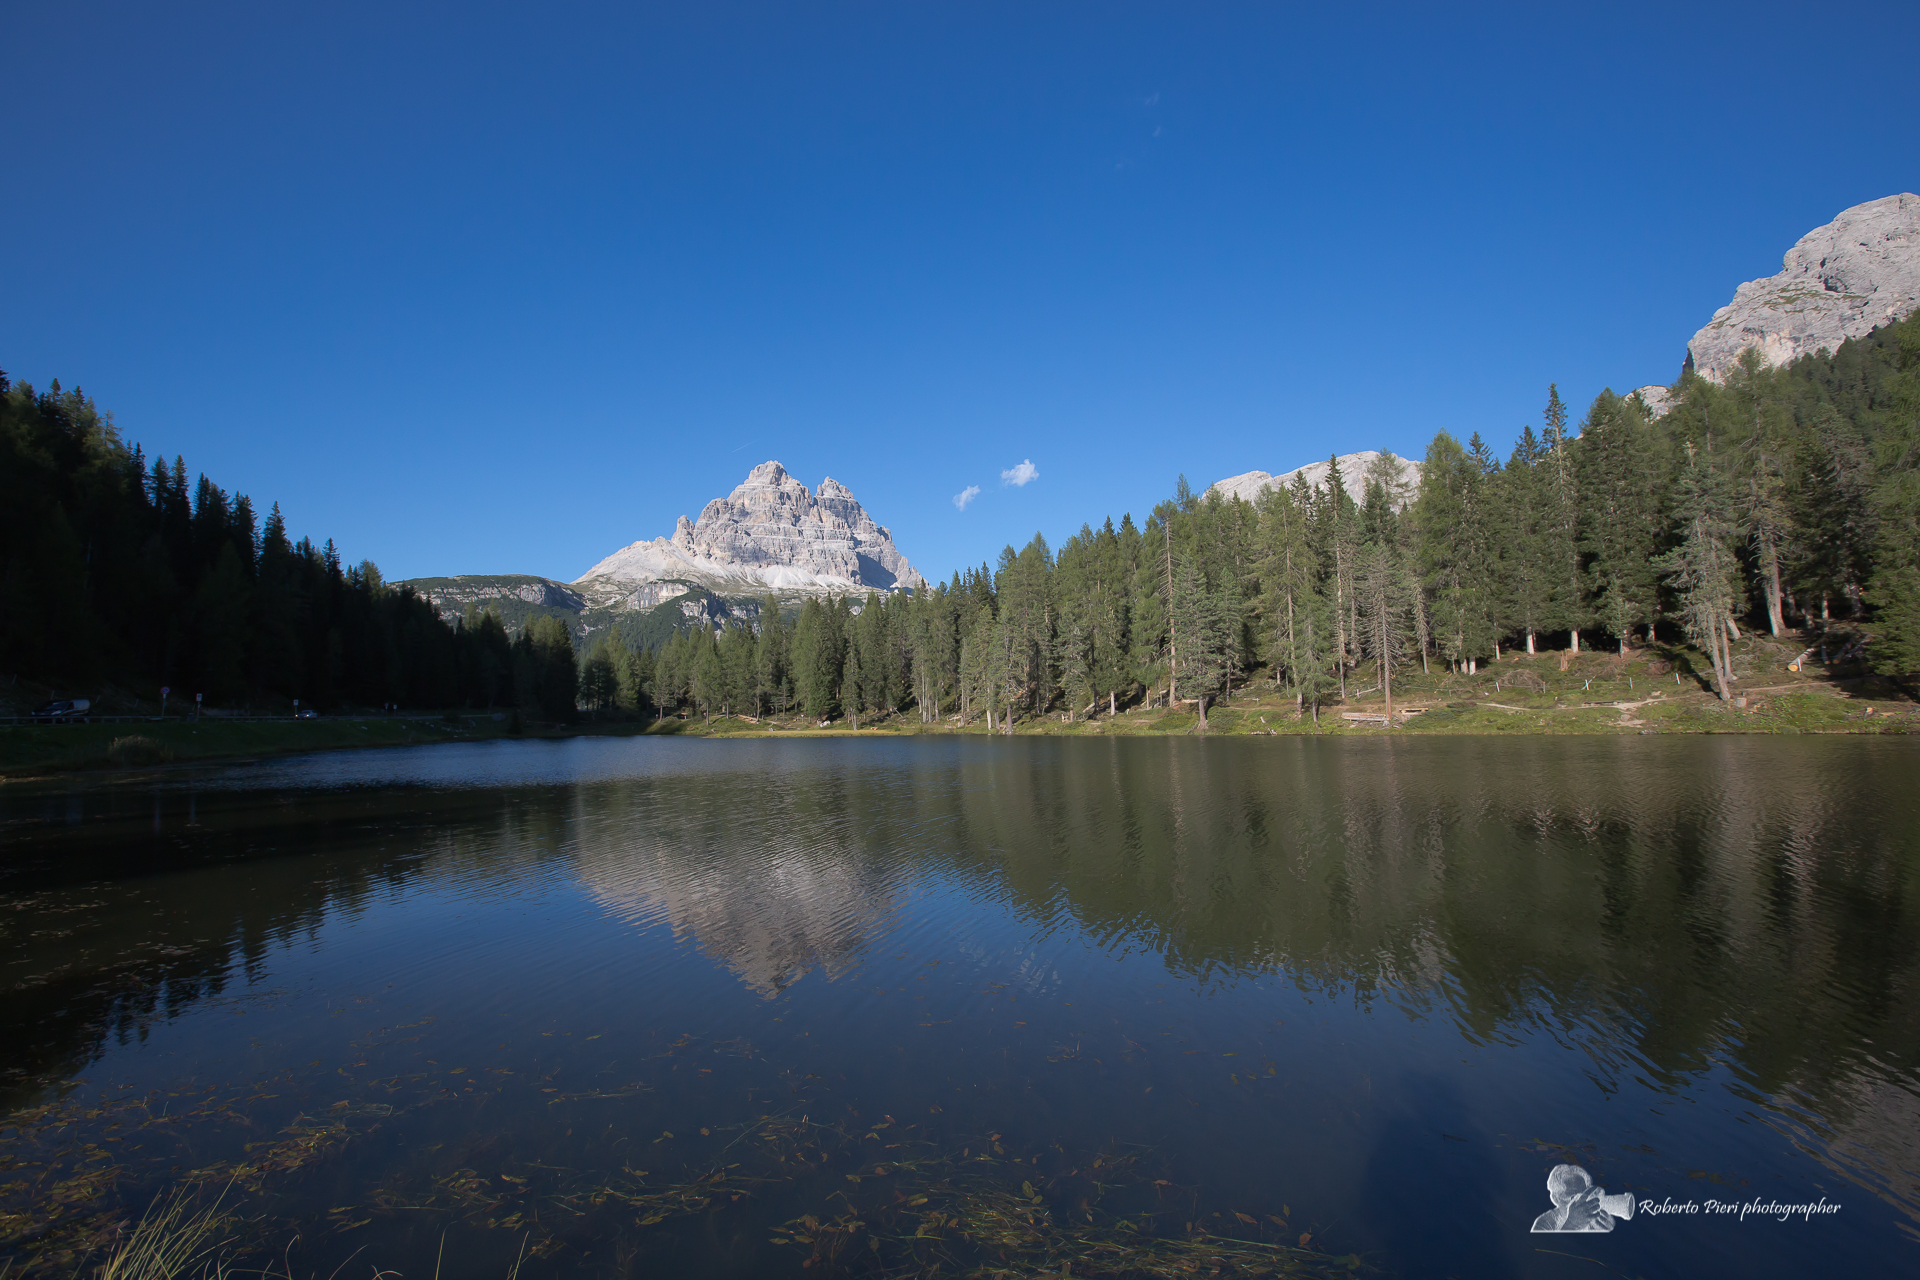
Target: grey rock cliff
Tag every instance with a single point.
(1843, 280)
(771, 532)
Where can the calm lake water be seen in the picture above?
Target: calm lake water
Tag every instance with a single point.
(659, 1007)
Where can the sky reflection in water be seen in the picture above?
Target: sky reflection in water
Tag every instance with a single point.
(1373, 990)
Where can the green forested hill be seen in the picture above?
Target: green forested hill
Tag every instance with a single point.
(518, 598)
(117, 570)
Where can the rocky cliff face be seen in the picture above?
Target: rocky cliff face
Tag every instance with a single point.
(1401, 477)
(1843, 280)
(770, 533)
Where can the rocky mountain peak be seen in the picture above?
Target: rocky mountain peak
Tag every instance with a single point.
(1842, 280)
(771, 532)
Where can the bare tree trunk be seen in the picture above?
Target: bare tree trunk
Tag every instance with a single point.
(1112, 705)
(1770, 583)
(1529, 642)
(1576, 639)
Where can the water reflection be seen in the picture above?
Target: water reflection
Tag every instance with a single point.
(772, 885)
(1682, 917)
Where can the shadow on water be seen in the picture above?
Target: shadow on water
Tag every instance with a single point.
(1215, 952)
(1411, 1192)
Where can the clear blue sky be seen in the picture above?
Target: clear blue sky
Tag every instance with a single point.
(478, 288)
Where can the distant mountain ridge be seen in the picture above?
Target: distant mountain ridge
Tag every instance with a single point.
(1356, 469)
(770, 536)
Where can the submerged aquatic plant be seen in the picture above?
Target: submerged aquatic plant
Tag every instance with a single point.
(173, 1238)
(884, 1197)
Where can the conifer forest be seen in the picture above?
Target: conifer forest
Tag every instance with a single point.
(1785, 500)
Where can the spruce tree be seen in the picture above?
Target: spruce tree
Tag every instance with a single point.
(1701, 569)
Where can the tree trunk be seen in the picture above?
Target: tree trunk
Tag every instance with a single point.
(1770, 582)
(1576, 639)
(1529, 642)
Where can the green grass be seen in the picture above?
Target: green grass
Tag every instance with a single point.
(1520, 695)
(29, 749)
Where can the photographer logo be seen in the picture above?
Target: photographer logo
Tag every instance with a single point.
(1578, 1205)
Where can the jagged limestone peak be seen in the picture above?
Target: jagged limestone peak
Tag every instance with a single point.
(1842, 280)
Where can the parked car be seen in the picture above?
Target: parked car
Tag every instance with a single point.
(63, 709)
(308, 714)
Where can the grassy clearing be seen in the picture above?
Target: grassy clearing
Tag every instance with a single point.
(1647, 691)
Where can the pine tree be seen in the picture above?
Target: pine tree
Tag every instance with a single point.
(1206, 616)
(1529, 564)
(1384, 593)
(1701, 570)
(1622, 470)
(1560, 522)
(1287, 570)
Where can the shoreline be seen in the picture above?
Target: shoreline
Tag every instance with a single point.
(1806, 707)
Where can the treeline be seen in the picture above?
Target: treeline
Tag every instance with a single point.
(1786, 498)
(116, 570)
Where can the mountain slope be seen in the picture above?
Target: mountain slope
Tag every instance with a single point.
(1842, 280)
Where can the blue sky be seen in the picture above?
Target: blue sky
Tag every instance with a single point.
(478, 288)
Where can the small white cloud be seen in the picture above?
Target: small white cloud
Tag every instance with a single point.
(966, 495)
(1151, 99)
(1017, 476)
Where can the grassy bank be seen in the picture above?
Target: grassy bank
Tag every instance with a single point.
(30, 750)
(1648, 691)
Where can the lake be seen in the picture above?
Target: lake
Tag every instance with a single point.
(903, 1006)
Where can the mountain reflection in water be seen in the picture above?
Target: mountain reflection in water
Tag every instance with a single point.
(1723, 921)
